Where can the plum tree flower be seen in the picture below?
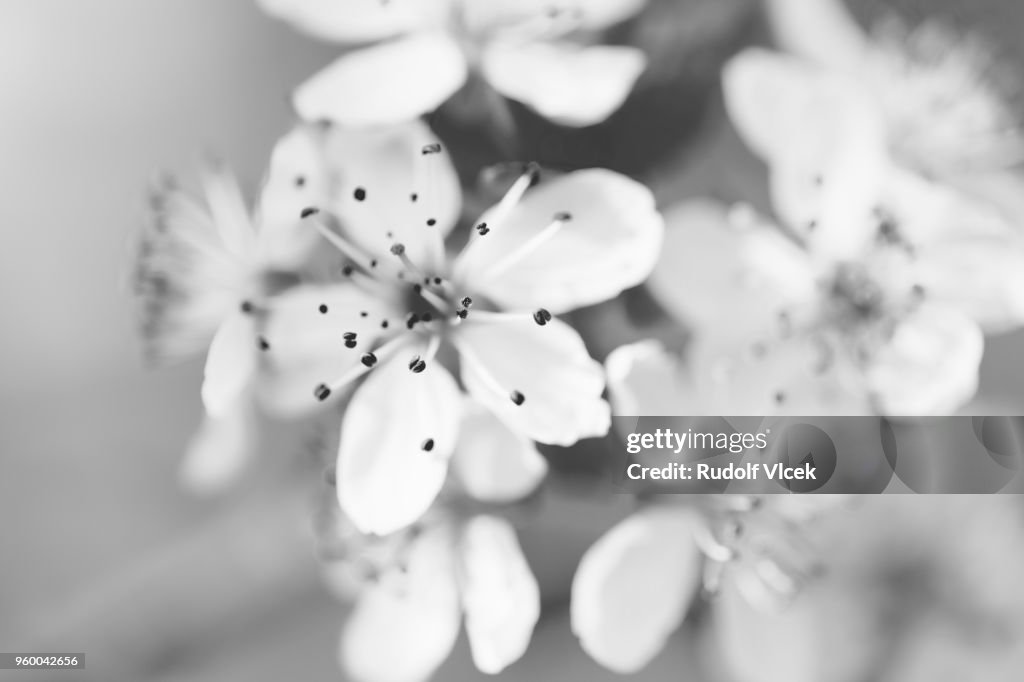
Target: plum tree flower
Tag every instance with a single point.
(940, 96)
(204, 267)
(412, 589)
(635, 585)
(421, 52)
(872, 293)
(406, 311)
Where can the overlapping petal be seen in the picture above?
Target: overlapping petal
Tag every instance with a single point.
(539, 380)
(404, 627)
(566, 83)
(610, 243)
(493, 462)
(644, 379)
(396, 438)
(500, 596)
(219, 451)
(230, 364)
(633, 587)
(385, 84)
(354, 21)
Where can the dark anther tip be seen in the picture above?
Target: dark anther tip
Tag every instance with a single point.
(322, 308)
(398, 249)
(322, 392)
(359, 194)
(368, 359)
(517, 398)
(427, 445)
(306, 212)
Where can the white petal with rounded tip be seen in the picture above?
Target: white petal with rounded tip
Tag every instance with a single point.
(494, 463)
(823, 140)
(560, 383)
(644, 379)
(388, 164)
(610, 244)
(633, 587)
(389, 83)
(295, 180)
(569, 84)
(499, 593)
(230, 364)
(218, 452)
(752, 269)
(403, 628)
(929, 366)
(353, 21)
(823, 31)
(307, 347)
(396, 437)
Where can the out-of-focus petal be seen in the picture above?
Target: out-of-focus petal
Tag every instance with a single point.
(539, 380)
(823, 31)
(403, 190)
(493, 462)
(355, 21)
(296, 179)
(230, 364)
(544, 19)
(499, 593)
(566, 83)
(633, 587)
(644, 379)
(824, 142)
(228, 211)
(403, 628)
(306, 345)
(219, 451)
(610, 242)
(389, 83)
(728, 270)
(929, 366)
(396, 437)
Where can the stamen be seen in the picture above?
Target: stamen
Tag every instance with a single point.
(428, 445)
(430, 154)
(542, 317)
(517, 398)
(500, 213)
(529, 246)
(359, 194)
(368, 359)
(367, 362)
(350, 251)
(262, 344)
(323, 308)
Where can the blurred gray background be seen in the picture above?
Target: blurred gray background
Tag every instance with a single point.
(95, 96)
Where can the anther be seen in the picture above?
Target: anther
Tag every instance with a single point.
(417, 365)
(359, 194)
(383, 324)
(373, 263)
(398, 249)
(434, 148)
(246, 307)
(347, 270)
(542, 317)
(368, 359)
(462, 313)
(306, 212)
(431, 222)
(349, 336)
(517, 398)
(427, 445)
(322, 392)
(411, 321)
(351, 343)
(414, 197)
(482, 229)
(363, 313)
(300, 181)
(467, 302)
(563, 216)
(262, 344)
(323, 308)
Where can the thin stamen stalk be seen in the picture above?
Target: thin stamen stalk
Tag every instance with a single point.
(435, 242)
(381, 353)
(349, 250)
(525, 249)
(499, 214)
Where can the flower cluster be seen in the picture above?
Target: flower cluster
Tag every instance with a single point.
(438, 341)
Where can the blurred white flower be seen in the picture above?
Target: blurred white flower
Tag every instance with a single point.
(205, 270)
(943, 98)
(873, 292)
(635, 585)
(421, 52)
(406, 310)
(406, 619)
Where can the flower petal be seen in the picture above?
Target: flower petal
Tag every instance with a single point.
(306, 346)
(610, 244)
(566, 83)
(403, 628)
(494, 463)
(509, 359)
(822, 31)
(514, 18)
(644, 379)
(230, 364)
(385, 84)
(633, 587)
(403, 189)
(218, 452)
(929, 366)
(296, 179)
(499, 593)
(823, 139)
(353, 21)
(396, 437)
(752, 269)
